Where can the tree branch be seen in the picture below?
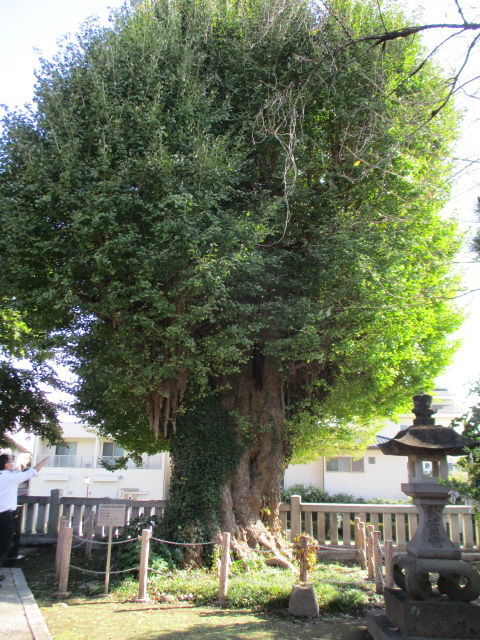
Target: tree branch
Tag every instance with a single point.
(380, 38)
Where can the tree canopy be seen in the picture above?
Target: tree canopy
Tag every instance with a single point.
(217, 197)
(23, 404)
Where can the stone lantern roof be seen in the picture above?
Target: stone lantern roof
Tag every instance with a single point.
(426, 438)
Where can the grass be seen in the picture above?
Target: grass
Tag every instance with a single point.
(257, 601)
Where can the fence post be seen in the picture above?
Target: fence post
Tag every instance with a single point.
(54, 512)
(389, 581)
(66, 551)
(363, 545)
(370, 566)
(377, 561)
(88, 532)
(60, 544)
(295, 517)
(143, 573)
(224, 567)
(357, 543)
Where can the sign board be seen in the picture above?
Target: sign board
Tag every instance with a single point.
(111, 515)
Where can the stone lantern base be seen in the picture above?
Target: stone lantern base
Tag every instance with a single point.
(436, 618)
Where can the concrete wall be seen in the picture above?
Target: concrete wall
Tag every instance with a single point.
(311, 473)
(379, 480)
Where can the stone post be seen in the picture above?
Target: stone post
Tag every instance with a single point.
(54, 512)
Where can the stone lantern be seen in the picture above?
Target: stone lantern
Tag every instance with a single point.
(415, 608)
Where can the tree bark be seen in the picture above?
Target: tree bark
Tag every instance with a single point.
(251, 499)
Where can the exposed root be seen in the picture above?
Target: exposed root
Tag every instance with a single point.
(278, 561)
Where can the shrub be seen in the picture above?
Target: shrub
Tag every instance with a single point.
(127, 556)
(308, 492)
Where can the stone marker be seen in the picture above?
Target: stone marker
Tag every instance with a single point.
(303, 601)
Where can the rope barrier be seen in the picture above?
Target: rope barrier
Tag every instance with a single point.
(85, 540)
(76, 546)
(72, 566)
(184, 544)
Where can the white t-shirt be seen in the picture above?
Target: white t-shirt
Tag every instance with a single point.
(9, 481)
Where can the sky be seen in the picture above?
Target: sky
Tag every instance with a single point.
(28, 27)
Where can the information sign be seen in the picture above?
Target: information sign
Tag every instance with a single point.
(111, 515)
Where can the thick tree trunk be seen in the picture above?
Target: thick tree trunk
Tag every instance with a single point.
(251, 499)
(228, 457)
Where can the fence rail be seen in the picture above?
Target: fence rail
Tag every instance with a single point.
(333, 525)
(41, 514)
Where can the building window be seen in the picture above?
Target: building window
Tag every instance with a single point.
(65, 455)
(348, 465)
(67, 449)
(372, 460)
(112, 450)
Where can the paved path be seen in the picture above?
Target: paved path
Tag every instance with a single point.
(20, 616)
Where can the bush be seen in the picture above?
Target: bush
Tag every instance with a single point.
(310, 493)
(127, 556)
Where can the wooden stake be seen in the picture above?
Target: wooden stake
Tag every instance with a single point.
(224, 568)
(303, 559)
(370, 565)
(356, 530)
(66, 551)
(109, 556)
(363, 545)
(377, 562)
(143, 574)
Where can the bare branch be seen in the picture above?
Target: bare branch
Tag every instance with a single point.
(460, 11)
(454, 87)
(405, 32)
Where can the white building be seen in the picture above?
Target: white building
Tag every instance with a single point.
(374, 475)
(76, 469)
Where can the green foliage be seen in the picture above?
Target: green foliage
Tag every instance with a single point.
(24, 406)
(127, 556)
(466, 483)
(23, 368)
(339, 588)
(336, 599)
(254, 562)
(203, 183)
(310, 493)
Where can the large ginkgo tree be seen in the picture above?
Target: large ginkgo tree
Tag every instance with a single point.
(228, 216)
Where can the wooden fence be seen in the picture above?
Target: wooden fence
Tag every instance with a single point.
(331, 524)
(41, 514)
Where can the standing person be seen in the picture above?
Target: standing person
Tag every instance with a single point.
(9, 481)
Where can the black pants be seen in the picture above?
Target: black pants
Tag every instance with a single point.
(7, 529)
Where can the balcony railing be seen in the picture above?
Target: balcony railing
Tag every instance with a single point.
(68, 461)
(149, 462)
